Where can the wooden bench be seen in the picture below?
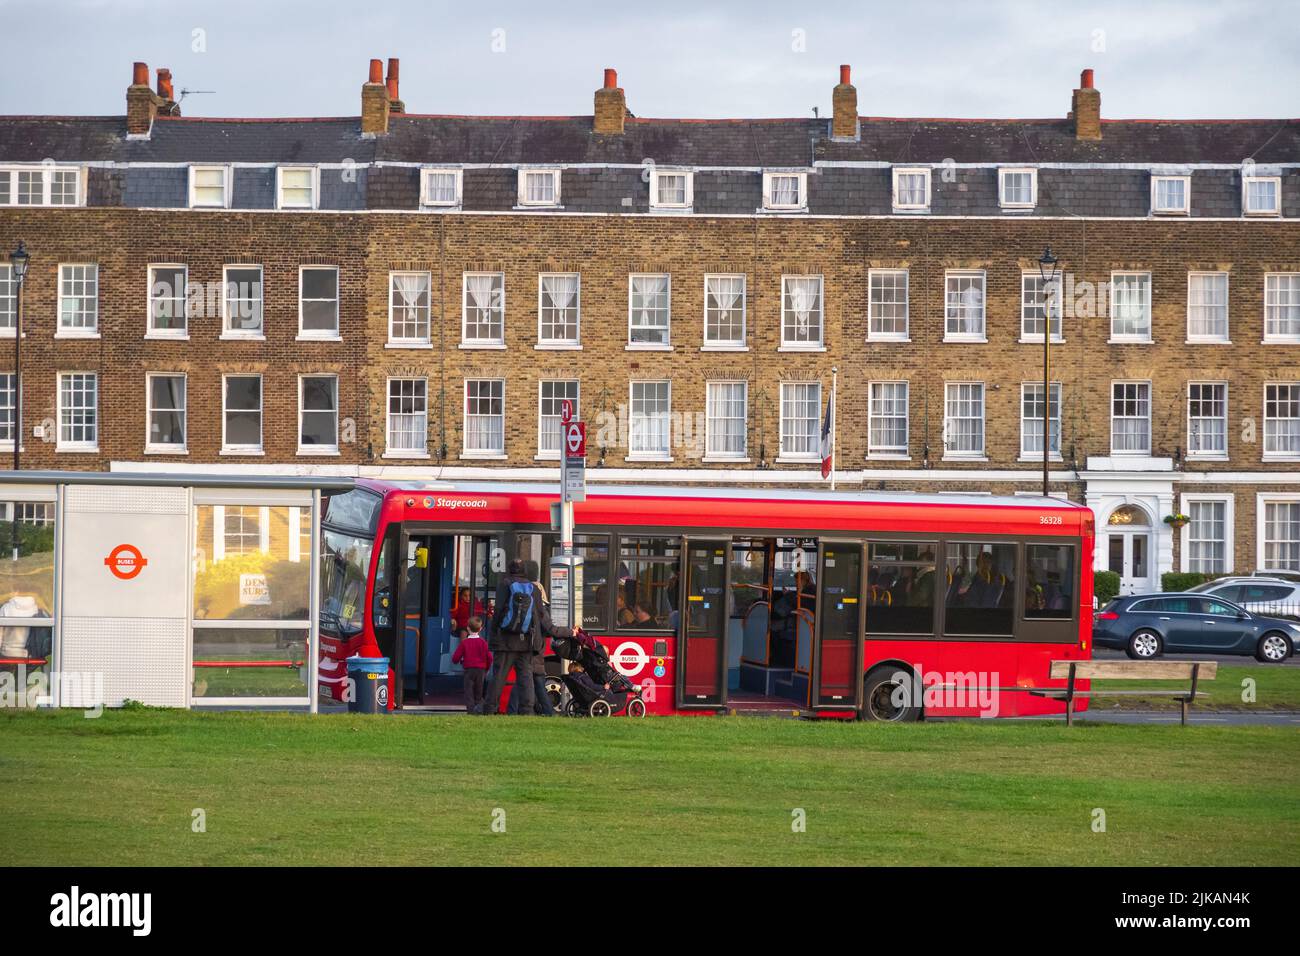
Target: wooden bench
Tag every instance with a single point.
(1071, 671)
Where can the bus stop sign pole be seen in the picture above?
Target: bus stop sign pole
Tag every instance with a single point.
(566, 567)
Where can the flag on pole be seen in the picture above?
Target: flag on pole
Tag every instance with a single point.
(828, 436)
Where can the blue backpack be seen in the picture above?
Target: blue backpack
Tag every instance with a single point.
(518, 618)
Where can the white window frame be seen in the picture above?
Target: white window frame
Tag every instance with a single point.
(574, 343)
(10, 300)
(667, 344)
(889, 452)
(498, 308)
(1150, 418)
(226, 447)
(906, 334)
(1247, 182)
(458, 176)
(318, 335)
(819, 410)
(801, 205)
(489, 453)
(1197, 455)
(546, 454)
(1262, 500)
(789, 345)
(389, 450)
(11, 409)
(76, 446)
(1294, 280)
(1265, 454)
(1200, 337)
(654, 455)
(727, 345)
(964, 336)
(1056, 312)
(151, 332)
(314, 175)
(1157, 209)
(226, 183)
(910, 171)
(1133, 337)
(418, 342)
(1033, 187)
(727, 456)
(981, 453)
(77, 332)
(1228, 501)
(9, 197)
(1036, 454)
(524, 173)
(226, 331)
(302, 409)
(166, 448)
(688, 191)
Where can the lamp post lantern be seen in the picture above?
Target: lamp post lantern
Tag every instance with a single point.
(1047, 271)
(19, 259)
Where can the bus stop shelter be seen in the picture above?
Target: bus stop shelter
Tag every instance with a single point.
(171, 590)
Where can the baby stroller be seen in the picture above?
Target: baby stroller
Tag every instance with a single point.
(588, 697)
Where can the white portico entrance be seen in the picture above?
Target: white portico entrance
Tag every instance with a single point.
(1132, 537)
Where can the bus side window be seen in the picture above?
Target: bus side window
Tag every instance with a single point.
(381, 616)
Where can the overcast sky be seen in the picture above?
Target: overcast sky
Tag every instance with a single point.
(676, 58)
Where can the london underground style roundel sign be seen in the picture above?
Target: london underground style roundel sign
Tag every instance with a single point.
(125, 561)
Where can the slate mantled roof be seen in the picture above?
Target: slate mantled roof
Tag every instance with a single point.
(759, 142)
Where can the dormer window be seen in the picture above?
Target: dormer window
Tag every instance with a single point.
(539, 187)
(785, 191)
(209, 187)
(440, 188)
(1261, 195)
(1170, 195)
(40, 186)
(1018, 188)
(912, 188)
(296, 187)
(671, 189)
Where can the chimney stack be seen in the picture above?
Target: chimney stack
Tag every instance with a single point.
(611, 106)
(1086, 109)
(844, 103)
(142, 102)
(374, 102)
(395, 104)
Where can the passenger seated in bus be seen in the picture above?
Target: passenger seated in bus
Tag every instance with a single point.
(641, 616)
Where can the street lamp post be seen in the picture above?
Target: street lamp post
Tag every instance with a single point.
(1047, 271)
(18, 260)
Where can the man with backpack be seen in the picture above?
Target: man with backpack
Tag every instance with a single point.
(520, 628)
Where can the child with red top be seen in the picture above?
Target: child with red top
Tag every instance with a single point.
(475, 656)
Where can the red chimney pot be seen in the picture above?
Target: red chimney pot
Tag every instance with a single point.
(844, 73)
(611, 78)
(376, 71)
(1085, 79)
(140, 74)
(165, 83)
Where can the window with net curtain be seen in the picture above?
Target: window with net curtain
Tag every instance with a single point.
(725, 421)
(724, 310)
(648, 418)
(649, 305)
(1031, 419)
(783, 191)
(887, 418)
(409, 307)
(539, 187)
(8, 297)
(1207, 306)
(801, 311)
(559, 309)
(964, 304)
(1033, 307)
(1282, 419)
(671, 189)
(1130, 430)
(800, 411)
(1207, 536)
(910, 188)
(964, 419)
(407, 415)
(484, 318)
(551, 398)
(1207, 418)
(79, 409)
(485, 416)
(440, 187)
(1130, 296)
(1282, 305)
(1282, 536)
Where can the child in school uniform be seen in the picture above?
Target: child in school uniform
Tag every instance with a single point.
(474, 655)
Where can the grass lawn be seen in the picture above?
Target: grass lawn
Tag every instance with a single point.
(1276, 688)
(289, 789)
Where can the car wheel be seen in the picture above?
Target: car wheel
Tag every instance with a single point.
(888, 695)
(1273, 648)
(1144, 645)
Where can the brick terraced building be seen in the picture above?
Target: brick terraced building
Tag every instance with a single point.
(403, 294)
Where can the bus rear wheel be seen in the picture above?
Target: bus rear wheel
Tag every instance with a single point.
(888, 695)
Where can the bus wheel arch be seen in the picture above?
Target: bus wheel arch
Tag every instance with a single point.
(880, 692)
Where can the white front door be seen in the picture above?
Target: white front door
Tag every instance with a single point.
(1129, 556)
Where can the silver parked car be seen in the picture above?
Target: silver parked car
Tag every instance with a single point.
(1258, 594)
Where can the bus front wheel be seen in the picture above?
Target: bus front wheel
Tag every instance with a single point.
(888, 694)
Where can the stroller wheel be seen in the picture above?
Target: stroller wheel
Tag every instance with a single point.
(600, 708)
(573, 708)
(636, 707)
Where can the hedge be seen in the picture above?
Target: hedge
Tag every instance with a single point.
(1105, 586)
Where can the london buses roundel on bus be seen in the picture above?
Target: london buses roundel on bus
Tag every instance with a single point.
(125, 561)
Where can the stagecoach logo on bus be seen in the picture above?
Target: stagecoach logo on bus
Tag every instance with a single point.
(20, 688)
(965, 690)
(126, 561)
